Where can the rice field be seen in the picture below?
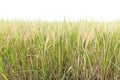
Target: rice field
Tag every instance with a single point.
(68, 50)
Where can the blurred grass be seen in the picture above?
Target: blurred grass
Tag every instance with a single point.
(43, 50)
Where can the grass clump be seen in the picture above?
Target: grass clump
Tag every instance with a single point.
(42, 50)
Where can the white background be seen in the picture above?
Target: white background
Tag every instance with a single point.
(58, 9)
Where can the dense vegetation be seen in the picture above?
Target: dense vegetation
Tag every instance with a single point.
(42, 50)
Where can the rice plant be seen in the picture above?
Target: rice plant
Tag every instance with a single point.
(68, 50)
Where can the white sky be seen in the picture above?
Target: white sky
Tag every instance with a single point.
(58, 9)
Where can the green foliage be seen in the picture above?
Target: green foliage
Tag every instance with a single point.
(67, 50)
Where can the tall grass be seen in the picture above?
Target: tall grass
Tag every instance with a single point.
(42, 50)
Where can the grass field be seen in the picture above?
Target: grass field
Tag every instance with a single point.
(43, 50)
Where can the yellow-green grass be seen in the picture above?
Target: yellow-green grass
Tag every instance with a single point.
(43, 50)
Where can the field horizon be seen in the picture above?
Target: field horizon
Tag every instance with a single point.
(59, 50)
